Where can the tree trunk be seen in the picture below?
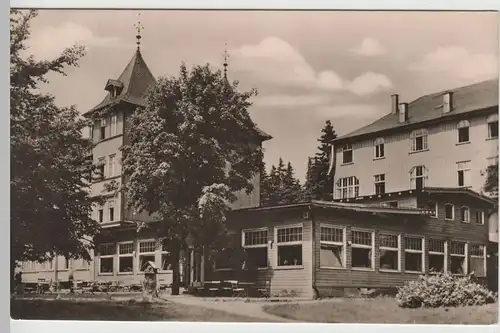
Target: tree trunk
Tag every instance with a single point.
(175, 271)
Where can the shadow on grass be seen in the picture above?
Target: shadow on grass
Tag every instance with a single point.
(109, 310)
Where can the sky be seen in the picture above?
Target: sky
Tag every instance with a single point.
(308, 67)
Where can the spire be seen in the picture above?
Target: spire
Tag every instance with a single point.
(139, 27)
(226, 56)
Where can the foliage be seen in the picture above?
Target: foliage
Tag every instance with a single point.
(190, 147)
(443, 290)
(50, 160)
(319, 185)
(491, 183)
(280, 186)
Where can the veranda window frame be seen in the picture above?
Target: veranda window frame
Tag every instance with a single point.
(107, 256)
(264, 244)
(126, 255)
(364, 246)
(421, 252)
(342, 244)
(482, 256)
(392, 249)
(438, 253)
(148, 253)
(455, 255)
(289, 244)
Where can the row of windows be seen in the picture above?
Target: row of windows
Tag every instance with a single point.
(449, 212)
(334, 247)
(463, 257)
(121, 257)
(348, 187)
(50, 265)
(418, 139)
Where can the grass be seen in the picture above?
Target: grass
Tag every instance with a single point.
(110, 310)
(383, 311)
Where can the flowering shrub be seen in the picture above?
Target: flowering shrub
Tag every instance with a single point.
(443, 290)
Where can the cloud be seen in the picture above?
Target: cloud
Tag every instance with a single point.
(369, 83)
(369, 47)
(354, 111)
(276, 62)
(458, 61)
(50, 41)
(284, 100)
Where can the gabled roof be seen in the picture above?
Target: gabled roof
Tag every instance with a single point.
(478, 96)
(136, 79)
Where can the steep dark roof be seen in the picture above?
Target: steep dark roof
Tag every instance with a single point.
(136, 79)
(478, 96)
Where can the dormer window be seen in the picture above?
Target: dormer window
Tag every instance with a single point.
(114, 87)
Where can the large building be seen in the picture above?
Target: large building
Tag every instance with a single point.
(122, 253)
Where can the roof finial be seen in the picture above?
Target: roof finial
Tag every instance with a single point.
(226, 56)
(139, 27)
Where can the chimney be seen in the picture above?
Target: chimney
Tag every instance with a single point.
(395, 103)
(403, 112)
(447, 102)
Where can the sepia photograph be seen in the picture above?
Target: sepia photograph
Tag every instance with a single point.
(272, 166)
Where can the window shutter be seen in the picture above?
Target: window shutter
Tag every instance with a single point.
(467, 178)
(424, 141)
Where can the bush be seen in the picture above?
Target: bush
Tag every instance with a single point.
(443, 290)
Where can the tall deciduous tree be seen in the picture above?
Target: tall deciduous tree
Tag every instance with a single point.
(181, 144)
(491, 183)
(50, 160)
(319, 184)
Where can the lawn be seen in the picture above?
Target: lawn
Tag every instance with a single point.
(382, 311)
(110, 310)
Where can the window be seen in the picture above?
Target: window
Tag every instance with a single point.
(146, 253)
(224, 259)
(106, 258)
(414, 254)
(102, 129)
(492, 121)
(332, 247)
(362, 249)
(449, 212)
(479, 217)
(417, 177)
(347, 187)
(379, 148)
(430, 206)
(347, 154)
(418, 140)
(66, 263)
(437, 256)
(111, 209)
(379, 181)
(389, 252)
(463, 174)
(478, 259)
(289, 243)
(465, 214)
(101, 164)
(112, 162)
(255, 244)
(126, 257)
(100, 214)
(458, 258)
(113, 125)
(463, 131)
(166, 260)
(392, 204)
